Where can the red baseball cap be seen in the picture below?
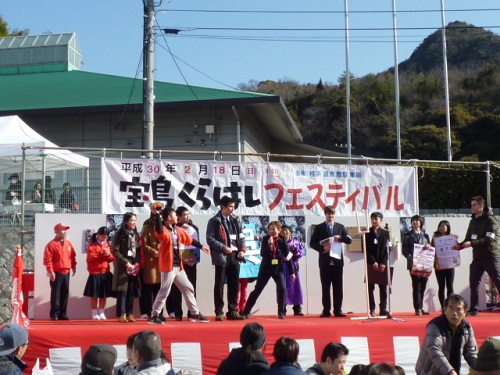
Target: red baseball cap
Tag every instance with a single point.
(60, 226)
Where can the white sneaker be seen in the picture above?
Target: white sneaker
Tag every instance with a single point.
(171, 315)
(95, 315)
(144, 316)
(101, 314)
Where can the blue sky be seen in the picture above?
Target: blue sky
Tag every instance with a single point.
(110, 35)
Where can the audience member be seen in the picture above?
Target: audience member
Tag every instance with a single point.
(274, 252)
(36, 194)
(67, 199)
(448, 337)
(482, 237)
(59, 259)
(286, 355)
(126, 250)
(99, 359)
(357, 369)
(129, 367)
(98, 287)
(444, 277)
(399, 370)
(13, 194)
(331, 266)
(418, 283)
(379, 369)
(488, 358)
(50, 195)
(293, 287)
(249, 359)
(150, 272)
(333, 360)
(227, 246)
(13, 345)
(172, 271)
(147, 353)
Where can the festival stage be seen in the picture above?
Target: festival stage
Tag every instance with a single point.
(201, 346)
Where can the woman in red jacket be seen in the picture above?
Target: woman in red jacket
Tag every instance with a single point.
(98, 287)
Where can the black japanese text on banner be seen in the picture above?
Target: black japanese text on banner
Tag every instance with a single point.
(260, 188)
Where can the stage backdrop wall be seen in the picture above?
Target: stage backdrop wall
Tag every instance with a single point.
(354, 287)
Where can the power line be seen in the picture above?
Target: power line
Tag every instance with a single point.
(193, 28)
(327, 11)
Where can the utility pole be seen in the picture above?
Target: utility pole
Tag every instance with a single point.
(148, 81)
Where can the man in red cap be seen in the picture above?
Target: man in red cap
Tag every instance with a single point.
(59, 258)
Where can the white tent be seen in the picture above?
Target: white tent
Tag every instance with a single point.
(14, 132)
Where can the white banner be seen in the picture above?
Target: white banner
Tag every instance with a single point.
(260, 188)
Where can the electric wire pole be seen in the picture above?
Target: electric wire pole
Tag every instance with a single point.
(148, 77)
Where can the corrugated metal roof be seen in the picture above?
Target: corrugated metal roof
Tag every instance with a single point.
(39, 50)
(73, 89)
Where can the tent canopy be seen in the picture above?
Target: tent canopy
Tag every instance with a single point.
(14, 132)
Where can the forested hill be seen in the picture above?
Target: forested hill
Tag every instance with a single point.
(319, 109)
(467, 46)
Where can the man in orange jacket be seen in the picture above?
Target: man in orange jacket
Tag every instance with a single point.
(59, 258)
(171, 266)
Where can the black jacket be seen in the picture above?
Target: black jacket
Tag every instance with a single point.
(377, 246)
(409, 239)
(282, 251)
(320, 233)
(11, 365)
(236, 363)
(485, 227)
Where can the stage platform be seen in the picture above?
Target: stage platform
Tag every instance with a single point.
(202, 346)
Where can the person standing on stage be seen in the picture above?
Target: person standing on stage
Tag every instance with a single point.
(418, 283)
(227, 246)
(150, 272)
(190, 258)
(98, 286)
(293, 287)
(126, 249)
(377, 256)
(444, 277)
(482, 237)
(330, 268)
(172, 271)
(448, 337)
(59, 259)
(274, 252)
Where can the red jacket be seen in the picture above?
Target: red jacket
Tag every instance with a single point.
(59, 256)
(97, 261)
(166, 251)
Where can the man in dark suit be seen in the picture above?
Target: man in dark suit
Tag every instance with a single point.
(331, 265)
(227, 248)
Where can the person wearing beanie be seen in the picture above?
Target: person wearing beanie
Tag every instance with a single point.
(59, 259)
(448, 338)
(99, 359)
(13, 345)
(488, 358)
(249, 359)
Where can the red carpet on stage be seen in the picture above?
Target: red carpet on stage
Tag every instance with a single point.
(201, 346)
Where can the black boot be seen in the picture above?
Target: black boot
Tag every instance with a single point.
(297, 310)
